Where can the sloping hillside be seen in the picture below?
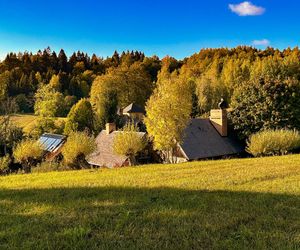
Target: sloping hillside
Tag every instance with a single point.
(241, 204)
(28, 121)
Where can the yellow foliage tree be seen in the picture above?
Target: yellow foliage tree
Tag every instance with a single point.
(119, 87)
(168, 112)
(129, 142)
(27, 152)
(78, 146)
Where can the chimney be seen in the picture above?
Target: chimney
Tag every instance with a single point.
(110, 127)
(218, 118)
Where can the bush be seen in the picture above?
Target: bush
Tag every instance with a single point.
(4, 163)
(46, 167)
(78, 146)
(129, 142)
(28, 152)
(273, 142)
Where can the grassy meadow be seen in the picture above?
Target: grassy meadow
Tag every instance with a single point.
(28, 121)
(226, 204)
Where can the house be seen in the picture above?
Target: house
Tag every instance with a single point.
(104, 155)
(134, 112)
(208, 138)
(52, 145)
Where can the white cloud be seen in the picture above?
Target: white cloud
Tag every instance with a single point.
(247, 9)
(263, 42)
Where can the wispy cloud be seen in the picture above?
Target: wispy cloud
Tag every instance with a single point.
(247, 9)
(263, 42)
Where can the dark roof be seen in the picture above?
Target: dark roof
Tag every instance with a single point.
(104, 155)
(201, 140)
(52, 142)
(133, 108)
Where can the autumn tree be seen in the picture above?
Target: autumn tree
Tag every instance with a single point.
(48, 101)
(4, 83)
(28, 152)
(9, 132)
(125, 84)
(168, 112)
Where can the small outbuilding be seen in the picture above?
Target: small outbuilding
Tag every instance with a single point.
(134, 112)
(52, 145)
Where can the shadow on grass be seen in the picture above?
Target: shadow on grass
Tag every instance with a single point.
(138, 218)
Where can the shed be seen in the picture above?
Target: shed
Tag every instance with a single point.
(52, 145)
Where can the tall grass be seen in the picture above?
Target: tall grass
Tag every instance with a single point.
(273, 142)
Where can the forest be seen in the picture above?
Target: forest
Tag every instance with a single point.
(261, 88)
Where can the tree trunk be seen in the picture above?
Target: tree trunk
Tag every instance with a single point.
(132, 160)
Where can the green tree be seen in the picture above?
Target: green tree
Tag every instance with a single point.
(80, 117)
(4, 82)
(129, 142)
(41, 126)
(48, 101)
(266, 104)
(9, 133)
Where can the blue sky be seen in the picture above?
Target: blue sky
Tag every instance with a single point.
(163, 27)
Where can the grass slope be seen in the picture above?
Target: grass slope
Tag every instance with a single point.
(28, 121)
(240, 204)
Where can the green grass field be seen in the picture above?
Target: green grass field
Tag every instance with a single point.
(228, 204)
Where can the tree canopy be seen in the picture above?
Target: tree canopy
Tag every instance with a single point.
(80, 117)
(169, 110)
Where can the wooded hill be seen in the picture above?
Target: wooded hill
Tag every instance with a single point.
(250, 80)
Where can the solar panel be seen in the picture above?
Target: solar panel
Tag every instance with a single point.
(51, 142)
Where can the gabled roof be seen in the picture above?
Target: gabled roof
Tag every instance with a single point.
(52, 142)
(104, 155)
(133, 108)
(201, 140)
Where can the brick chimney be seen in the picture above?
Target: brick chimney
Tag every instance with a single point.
(110, 127)
(218, 118)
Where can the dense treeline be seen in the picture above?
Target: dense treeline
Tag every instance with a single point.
(22, 74)
(261, 87)
(215, 72)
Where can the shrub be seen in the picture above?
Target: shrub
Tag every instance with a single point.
(4, 163)
(46, 167)
(273, 142)
(28, 152)
(78, 146)
(129, 143)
